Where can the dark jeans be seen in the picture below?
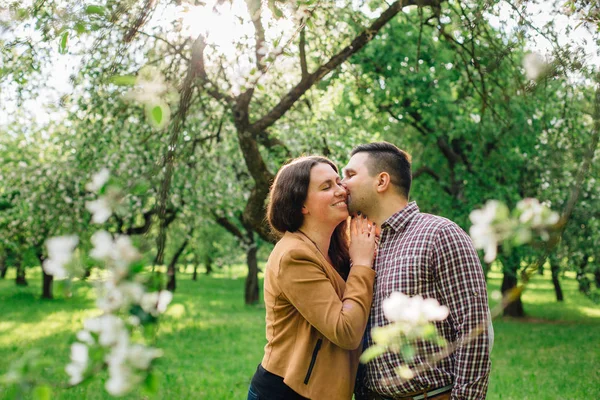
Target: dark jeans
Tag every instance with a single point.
(252, 395)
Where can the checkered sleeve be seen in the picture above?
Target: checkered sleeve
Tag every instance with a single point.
(461, 287)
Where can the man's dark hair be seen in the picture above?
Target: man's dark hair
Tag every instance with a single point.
(384, 156)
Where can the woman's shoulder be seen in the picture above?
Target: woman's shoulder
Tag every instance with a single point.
(293, 246)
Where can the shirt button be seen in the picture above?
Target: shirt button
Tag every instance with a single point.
(475, 293)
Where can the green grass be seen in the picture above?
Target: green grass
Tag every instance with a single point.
(212, 342)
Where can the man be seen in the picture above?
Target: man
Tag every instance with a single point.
(419, 254)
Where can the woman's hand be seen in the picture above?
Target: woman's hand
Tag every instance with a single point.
(362, 241)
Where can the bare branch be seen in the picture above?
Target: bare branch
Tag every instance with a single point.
(425, 170)
(302, 45)
(141, 20)
(254, 9)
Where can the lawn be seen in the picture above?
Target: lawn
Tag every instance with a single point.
(212, 342)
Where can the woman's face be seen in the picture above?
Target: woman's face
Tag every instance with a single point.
(326, 199)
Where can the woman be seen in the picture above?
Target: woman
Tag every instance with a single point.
(317, 305)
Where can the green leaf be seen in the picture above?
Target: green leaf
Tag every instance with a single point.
(408, 352)
(80, 28)
(371, 353)
(123, 80)
(157, 114)
(42, 392)
(62, 47)
(94, 10)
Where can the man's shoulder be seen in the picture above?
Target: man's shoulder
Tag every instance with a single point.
(433, 221)
(437, 225)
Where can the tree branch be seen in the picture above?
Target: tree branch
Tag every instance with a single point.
(302, 46)
(254, 9)
(425, 170)
(356, 45)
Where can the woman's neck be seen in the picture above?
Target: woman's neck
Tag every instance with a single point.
(319, 235)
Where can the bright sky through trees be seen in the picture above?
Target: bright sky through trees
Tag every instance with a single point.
(225, 25)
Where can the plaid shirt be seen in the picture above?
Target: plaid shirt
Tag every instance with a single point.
(431, 256)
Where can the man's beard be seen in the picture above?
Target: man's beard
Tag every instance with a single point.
(353, 207)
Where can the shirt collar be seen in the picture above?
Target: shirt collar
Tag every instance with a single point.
(399, 220)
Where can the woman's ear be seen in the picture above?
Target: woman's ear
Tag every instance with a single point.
(383, 182)
(305, 210)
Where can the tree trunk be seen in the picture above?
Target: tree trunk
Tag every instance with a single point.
(3, 268)
(509, 283)
(20, 280)
(582, 279)
(172, 283)
(195, 274)
(251, 290)
(208, 262)
(557, 289)
(46, 281)
(597, 277)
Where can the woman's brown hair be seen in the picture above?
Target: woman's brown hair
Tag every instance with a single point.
(287, 196)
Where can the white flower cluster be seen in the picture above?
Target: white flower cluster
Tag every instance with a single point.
(125, 360)
(101, 208)
(105, 341)
(60, 252)
(494, 224)
(413, 310)
(411, 320)
(535, 214)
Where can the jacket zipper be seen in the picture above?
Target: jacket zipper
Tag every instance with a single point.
(313, 360)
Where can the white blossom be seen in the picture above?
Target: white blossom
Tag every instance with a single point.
(110, 329)
(125, 250)
(413, 310)
(111, 299)
(536, 214)
(433, 311)
(103, 245)
(100, 209)
(482, 231)
(79, 362)
(85, 337)
(476, 118)
(98, 180)
(156, 302)
(405, 372)
(121, 380)
(141, 356)
(60, 251)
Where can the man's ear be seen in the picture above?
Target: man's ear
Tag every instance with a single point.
(304, 210)
(383, 182)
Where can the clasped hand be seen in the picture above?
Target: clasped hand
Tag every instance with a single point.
(363, 241)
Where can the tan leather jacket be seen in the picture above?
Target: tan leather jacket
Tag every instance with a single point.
(315, 320)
